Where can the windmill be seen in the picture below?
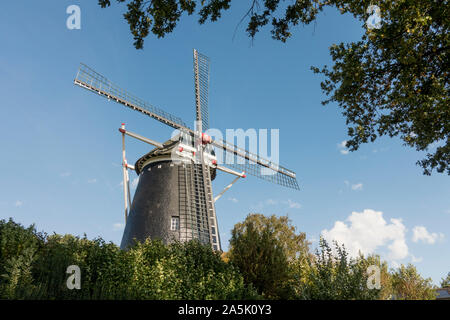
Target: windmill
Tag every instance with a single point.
(174, 198)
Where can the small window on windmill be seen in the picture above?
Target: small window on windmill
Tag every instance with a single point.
(175, 224)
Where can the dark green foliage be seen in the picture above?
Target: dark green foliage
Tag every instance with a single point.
(260, 259)
(105, 269)
(18, 247)
(160, 17)
(34, 267)
(184, 271)
(334, 276)
(265, 249)
(15, 238)
(395, 81)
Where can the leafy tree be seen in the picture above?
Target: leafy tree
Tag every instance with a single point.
(18, 276)
(14, 238)
(445, 283)
(394, 81)
(385, 276)
(18, 246)
(334, 276)
(265, 249)
(294, 245)
(408, 284)
(160, 17)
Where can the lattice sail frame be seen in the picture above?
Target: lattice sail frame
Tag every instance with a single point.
(257, 166)
(253, 164)
(201, 77)
(91, 80)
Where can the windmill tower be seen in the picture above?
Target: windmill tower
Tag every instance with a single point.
(174, 198)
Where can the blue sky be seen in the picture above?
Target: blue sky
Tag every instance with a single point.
(61, 151)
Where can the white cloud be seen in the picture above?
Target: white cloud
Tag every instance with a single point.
(92, 180)
(367, 231)
(118, 226)
(413, 135)
(342, 148)
(18, 203)
(357, 186)
(421, 233)
(384, 149)
(274, 202)
(233, 200)
(65, 174)
(134, 182)
(354, 186)
(293, 204)
(416, 260)
(262, 204)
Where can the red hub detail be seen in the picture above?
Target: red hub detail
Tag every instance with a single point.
(206, 139)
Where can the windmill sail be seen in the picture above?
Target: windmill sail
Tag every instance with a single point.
(255, 165)
(206, 210)
(201, 72)
(91, 80)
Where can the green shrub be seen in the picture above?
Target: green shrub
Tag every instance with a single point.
(18, 248)
(33, 266)
(335, 276)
